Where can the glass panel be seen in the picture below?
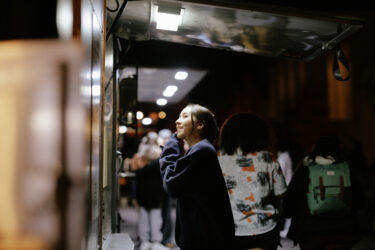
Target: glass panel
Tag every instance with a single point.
(92, 89)
(108, 145)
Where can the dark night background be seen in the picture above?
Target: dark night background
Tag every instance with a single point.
(300, 99)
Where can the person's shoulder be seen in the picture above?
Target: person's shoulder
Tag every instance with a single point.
(203, 146)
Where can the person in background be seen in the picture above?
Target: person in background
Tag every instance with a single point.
(286, 163)
(254, 181)
(313, 231)
(204, 218)
(149, 192)
(164, 136)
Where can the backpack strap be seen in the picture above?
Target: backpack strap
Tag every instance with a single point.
(321, 187)
(342, 187)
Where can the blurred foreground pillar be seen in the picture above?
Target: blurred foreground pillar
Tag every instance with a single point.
(42, 145)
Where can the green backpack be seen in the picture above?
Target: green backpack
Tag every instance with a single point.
(329, 189)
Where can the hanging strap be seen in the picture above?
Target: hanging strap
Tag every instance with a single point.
(339, 58)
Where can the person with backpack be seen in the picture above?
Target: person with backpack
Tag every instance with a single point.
(323, 198)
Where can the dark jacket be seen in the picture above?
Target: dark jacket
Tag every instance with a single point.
(149, 186)
(303, 224)
(204, 217)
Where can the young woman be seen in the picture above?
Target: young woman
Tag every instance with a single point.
(254, 181)
(204, 219)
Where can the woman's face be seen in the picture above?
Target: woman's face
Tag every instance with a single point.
(184, 124)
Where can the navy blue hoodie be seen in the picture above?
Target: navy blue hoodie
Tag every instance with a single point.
(204, 217)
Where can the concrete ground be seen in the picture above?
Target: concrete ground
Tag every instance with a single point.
(129, 215)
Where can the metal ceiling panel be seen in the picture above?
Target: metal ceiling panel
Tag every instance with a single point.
(153, 81)
(237, 29)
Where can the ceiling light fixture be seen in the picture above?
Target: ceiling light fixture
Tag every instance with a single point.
(168, 17)
(122, 129)
(162, 115)
(64, 19)
(181, 75)
(139, 115)
(161, 101)
(170, 90)
(146, 121)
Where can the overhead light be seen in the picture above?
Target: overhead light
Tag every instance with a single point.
(64, 19)
(181, 75)
(162, 115)
(95, 74)
(139, 115)
(122, 129)
(161, 101)
(168, 17)
(146, 121)
(129, 117)
(86, 90)
(170, 90)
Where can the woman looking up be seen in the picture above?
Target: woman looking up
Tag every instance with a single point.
(203, 215)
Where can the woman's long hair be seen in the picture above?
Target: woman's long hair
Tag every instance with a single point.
(203, 115)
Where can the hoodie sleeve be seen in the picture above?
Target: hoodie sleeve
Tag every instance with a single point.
(178, 171)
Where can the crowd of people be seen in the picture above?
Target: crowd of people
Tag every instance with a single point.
(234, 192)
(154, 223)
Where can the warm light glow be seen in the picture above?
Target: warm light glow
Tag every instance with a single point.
(64, 19)
(146, 121)
(154, 116)
(167, 21)
(122, 129)
(86, 90)
(44, 120)
(129, 117)
(95, 74)
(161, 101)
(181, 75)
(96, 90)
(162, 115)
(170, 90)
(139, 115)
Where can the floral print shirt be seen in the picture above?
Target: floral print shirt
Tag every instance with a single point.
(252, 181)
